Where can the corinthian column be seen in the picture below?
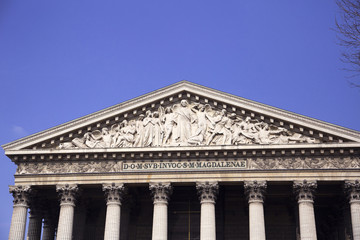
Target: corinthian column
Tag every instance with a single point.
(304, 191)
(207, 192)
(353, 191)
(113, 193)
(161, 193)
(255, 192)
(35, 219)
(48, 226)
(68, 194)
(21, 204)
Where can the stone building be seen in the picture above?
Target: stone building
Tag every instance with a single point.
(188, 162)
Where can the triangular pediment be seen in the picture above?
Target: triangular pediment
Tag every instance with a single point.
(186, 114)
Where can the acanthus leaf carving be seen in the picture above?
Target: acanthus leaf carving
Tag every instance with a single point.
(186, 124)
(352, 188)
(255, 190)
(21, 194)
(114, 193)
(68, 193)
(207, 191)
(161, 191)
(304, 190)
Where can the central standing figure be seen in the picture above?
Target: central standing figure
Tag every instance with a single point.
(184, 119)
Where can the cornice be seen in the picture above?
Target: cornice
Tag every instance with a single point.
(183, 149)
(177, 88)
(186, 153)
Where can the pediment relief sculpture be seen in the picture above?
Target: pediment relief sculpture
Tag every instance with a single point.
(186, 124)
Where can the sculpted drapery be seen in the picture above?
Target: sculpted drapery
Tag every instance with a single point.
(187, 124)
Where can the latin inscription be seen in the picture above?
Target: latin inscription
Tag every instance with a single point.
(184, 165)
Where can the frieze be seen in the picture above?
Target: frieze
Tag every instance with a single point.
(256, 163)
(186, 124)
(306, 163)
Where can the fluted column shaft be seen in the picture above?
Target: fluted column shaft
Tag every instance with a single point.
(161, 193)
(34, 229)
(113, 193)
(305, 194)
(79, 221)
(255, 192)
(207, 192)
(18, 222)
(21, 204)
(68, 194)
(48, 230)
(353, 189)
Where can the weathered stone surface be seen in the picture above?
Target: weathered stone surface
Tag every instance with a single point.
(186, 124)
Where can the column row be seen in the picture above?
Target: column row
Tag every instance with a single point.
(254, 190)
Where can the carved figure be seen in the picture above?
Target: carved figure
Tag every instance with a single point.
(249, 128)
(184, 119)
(66, 145)
(91, 140)
(158, 132)
(169, 123)
(265, 135)
(186, 124)
(106, 136)
(201, 117)
(237, 135)
(125, 136)
(148, 129)
(222, 127)
(139, 140)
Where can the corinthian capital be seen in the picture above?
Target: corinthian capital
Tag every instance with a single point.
(255, 190)
(114, 192)
(68, 193)
(160, 191)
(21, 195)
(352, 188)
(207, 191)
(304, 190)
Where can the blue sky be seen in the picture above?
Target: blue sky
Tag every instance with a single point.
(60, 60)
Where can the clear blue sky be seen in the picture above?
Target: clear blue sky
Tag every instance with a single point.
(60, 60)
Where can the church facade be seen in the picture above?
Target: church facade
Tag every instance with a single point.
(187, 162)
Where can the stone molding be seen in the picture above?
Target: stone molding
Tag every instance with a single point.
(21, 195)
(177, 88)
(114, 193)
(305, 190)
(256, 163)
(161, 191)
(352, 188)
(68, 193)
(255, 190)
(207, 191)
